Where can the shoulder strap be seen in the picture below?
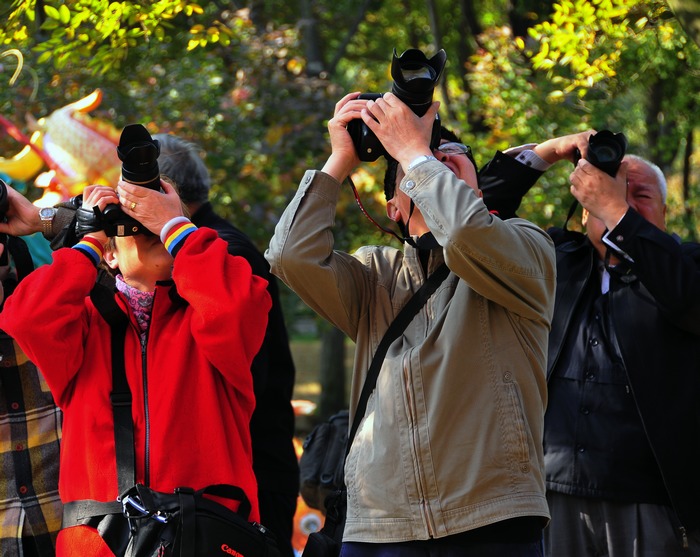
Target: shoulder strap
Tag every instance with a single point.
(405, 316)
(103, 299)
(22, 257)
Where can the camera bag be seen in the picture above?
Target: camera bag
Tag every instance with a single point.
(327, 541)
(147, 523)
(321, 463)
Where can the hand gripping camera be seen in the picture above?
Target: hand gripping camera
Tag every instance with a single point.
(605, 151)
(415, 77)
(138, 152)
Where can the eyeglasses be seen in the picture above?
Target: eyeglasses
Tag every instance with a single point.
(453, 148)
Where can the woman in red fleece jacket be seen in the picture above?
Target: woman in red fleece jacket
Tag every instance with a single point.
(197, 318)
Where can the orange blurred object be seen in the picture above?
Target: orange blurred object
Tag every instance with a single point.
(78, 150)
(306, 519)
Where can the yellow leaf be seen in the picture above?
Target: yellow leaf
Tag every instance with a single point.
(64, 14)
(21, 34)
(51, 12)
(556, 94)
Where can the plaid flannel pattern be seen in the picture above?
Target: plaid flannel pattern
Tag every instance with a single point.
(30, 432)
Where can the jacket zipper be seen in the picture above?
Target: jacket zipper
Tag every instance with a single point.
(144, 376)
(144, 379)
(419, 477)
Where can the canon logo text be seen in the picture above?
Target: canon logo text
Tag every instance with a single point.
(230, 551)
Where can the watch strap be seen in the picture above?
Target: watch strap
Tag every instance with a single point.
(47, 224)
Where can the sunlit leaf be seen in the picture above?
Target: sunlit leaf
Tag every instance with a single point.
(51, 12)
(64, 14)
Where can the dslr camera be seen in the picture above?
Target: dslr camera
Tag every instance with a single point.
(605, 151)
(138, 152)
(4, 207)
(4, 200)
(415, 77)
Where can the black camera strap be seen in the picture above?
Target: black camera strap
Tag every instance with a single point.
(398, 326)
(87, 511)
(20, 254)
(572, 210)
(103, 299)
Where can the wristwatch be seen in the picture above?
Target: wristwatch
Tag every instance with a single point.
(46, 214)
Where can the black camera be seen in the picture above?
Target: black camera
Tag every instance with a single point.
(415, 77)
(138, 152)
(4, 207)
(605, 151)
(4, 200)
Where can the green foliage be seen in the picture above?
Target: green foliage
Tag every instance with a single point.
(624, 65)
(232, 77)
(99, 32)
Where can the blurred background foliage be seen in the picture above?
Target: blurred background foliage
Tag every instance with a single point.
(253, 82)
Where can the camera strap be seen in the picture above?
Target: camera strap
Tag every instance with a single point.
(20, 254)
(103, 299)
(403, 239)
(572, 210)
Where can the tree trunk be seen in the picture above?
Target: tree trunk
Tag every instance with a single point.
(366, 6)
(437, 39)
(689, 213)
(332, 378)
(315, 65)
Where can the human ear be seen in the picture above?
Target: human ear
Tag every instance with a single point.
(392, 210)
(111, 258)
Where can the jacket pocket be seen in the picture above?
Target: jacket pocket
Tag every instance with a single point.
(516, 431)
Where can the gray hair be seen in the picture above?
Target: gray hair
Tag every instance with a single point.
(660, 178)
(180, 160)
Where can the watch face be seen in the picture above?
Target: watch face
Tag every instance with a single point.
(47, 212)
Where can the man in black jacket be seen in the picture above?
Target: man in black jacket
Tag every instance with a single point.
(272, 426)
(622, 428)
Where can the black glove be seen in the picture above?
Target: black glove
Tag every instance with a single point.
(87, 221)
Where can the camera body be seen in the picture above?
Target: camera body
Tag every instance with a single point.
(415, 77)
(605, 151)
(4, 200)
(4, 207)
(138, 152)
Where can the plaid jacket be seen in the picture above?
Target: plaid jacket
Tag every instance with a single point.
(30, 430)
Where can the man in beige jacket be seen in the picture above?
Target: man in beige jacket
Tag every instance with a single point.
(448, 458)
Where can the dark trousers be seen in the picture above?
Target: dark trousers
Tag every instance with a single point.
(277, 514)
(437, 548)
(588, 527)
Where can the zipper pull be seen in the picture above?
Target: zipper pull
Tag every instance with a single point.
(684, 537)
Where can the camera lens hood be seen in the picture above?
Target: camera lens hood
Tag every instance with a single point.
(415, 77)
(139, 152)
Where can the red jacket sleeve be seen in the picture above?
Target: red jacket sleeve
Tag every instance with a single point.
(223, 294)
(47, 316)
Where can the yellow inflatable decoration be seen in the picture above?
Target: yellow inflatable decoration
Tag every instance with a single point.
(77, 149)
